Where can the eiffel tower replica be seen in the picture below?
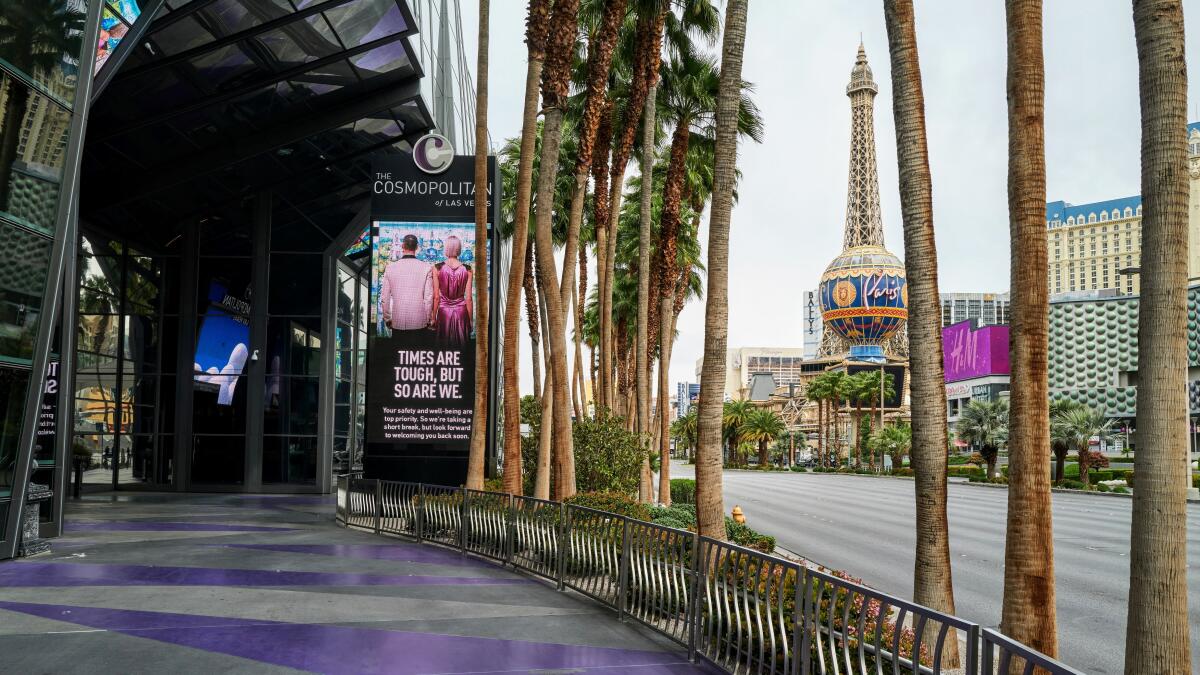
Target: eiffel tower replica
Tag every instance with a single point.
(864, 226)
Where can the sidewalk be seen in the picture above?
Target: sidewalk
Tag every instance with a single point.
(268, 584)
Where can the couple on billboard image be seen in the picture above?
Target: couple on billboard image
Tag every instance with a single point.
(425, 286)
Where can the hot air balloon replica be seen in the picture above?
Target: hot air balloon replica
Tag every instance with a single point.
(864, 299)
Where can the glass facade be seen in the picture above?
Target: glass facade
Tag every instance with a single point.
(212, 331)
(38, 78)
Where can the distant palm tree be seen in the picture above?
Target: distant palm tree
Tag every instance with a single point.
(684, 432)
(873, 383)
(984, 424)
(762, 426)
(818, 392)
(734, 416)
(894, 441)
(35, 36)
(1081, 425)
(1060, 434)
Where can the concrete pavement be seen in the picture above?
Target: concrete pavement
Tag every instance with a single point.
(864, 526)
(149, 583)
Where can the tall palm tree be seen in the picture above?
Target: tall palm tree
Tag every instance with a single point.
(475, 468)
(556, 79)
(734, 416)
(1028, 613)
(1081, 424)
(762, 426)
(932, 580)
(536, 24)
(818, 392)
(710, 518)
(1156, 637)
(35, 36)
(985, 424)
(683, 430)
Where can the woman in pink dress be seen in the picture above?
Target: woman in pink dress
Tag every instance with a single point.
(452, 297)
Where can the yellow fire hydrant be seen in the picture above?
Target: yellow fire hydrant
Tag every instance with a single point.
(738, 516)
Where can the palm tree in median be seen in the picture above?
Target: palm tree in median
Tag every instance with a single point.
(984, 424)
(894, 441)
(1028, 612)
(1060, 434)
(818, 392)
(1081, 425)
(762, 426)
(875, 383)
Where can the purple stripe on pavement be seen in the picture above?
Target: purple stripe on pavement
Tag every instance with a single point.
(35, 574)
(339, 649)
(413, 553)
(162, 526)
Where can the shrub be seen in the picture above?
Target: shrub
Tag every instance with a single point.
(742, 535)
(683, 491)
(613, 502)
(1129, 478)
(1121, 490)
(977, 459)
(799, 469)
(1103, 488)
(1097, 460)
(1071, 484)
(1101, 475)
(608, 457)
(676, 513)
(903, 472)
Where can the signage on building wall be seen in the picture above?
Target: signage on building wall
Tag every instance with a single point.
(958, 390)
(422, 332)
(47, 425)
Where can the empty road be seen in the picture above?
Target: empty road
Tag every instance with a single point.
(864, 526)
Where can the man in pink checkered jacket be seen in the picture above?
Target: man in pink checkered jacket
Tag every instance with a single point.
(406, 296)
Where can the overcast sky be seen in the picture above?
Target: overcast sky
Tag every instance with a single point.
(788, 223)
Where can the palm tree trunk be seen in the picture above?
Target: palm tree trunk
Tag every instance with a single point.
(600, 212)
(480, 421)
(533, 314)
(710, 517)
(643, 318)
(664, 410)
(541, 480)
(580, 303)
(535, 38)
(1028, 613)
(821, 432)
(1156, 638)
(1084, 465)
(555, 83)
(1060, 464)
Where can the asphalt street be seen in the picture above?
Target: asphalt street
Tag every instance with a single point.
(864, 525)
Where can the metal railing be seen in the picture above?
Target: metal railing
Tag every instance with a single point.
(743, 610)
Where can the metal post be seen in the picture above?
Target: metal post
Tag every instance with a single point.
(693, 610)
(623, 574)
(463, 521)
(510, 529)
(564, 539)
(799, 623)
(972, 667)
(420, 509)
(804, 602)
(378, 505)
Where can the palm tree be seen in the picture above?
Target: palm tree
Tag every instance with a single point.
(683, 430)
(875, 383)
(762, 426)
(710, 517)
(841, 390)
(536, 25)
(933, 584)
(475, 469)
(1156, 637)
(35, 36)
(1081, 424)
(1060, 434)
(1028, 613)
(556, 80)
(984, 424)
(734, 416)
(818, 391)
(894, 441)
(858, 392)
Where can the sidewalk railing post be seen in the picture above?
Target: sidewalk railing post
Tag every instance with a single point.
(693, 606)
(623, 573)
(973, 652)
(420, 512)
(564, 542)
(804, 602)
(510, 531)
(463, 520)
(799, 618)
(378, 505)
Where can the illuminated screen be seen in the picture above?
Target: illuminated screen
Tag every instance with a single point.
(115, 20)
(222, 345)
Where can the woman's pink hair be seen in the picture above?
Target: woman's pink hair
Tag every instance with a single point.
(453, 246)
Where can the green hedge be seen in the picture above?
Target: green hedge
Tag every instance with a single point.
(799, 469)
(612, 502)
(683, 491)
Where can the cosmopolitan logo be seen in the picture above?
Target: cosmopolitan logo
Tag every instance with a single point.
(426, 187)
